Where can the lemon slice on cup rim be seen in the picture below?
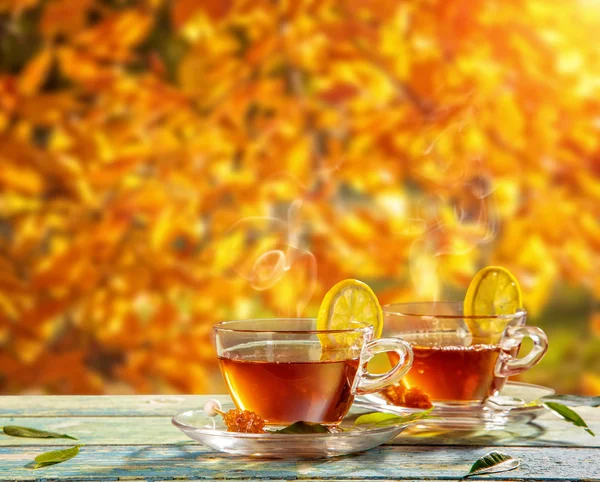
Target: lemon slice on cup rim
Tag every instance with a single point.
(349, 304)
(493, 291)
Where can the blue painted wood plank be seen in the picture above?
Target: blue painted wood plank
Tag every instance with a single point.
(548, 430)
(98, 430)
(160, 431)
(102, 405)
(386, 462)
(150, 406)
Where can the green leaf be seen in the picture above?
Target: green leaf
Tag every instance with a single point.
(374, 417)
(16, 431)
(55, 457)
(382, 419)
(573, 400)
(304, 427)
(493, 462)
(569, 415)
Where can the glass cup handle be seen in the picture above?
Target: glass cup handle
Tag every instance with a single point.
(508, 365)
(369, 382)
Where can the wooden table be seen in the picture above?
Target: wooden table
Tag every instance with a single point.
(131, 438)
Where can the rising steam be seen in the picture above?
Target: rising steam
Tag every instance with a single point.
(464, 219)
(275, 248)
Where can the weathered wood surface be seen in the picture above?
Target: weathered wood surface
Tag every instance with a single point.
(100, 406)
(549, 431)
(132, 438)
(146, 419)
(387, 462)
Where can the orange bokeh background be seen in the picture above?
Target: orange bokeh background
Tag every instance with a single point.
(168, 165)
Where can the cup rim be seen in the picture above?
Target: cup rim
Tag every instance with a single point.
(222, 327)
(389, 310)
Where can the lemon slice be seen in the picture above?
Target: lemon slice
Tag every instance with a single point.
(349, 304)
(493, 291)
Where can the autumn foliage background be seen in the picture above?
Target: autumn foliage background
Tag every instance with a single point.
(168, 165)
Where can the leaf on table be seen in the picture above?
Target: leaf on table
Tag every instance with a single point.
(304, 427)
(493, 462)
(382, 419)
(569, 415)
(16, 431)
(573, 400)
(55, 457)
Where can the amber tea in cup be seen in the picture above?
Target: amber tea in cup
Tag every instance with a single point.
(454, 372)
(286, 371)
(299, 389)
(451, 364)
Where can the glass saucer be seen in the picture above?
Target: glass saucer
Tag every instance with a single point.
(213, 433)
(517, 403)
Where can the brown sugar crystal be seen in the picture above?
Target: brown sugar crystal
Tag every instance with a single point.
(243, 421)
(417, 398)
(401, 396)
(394, 394)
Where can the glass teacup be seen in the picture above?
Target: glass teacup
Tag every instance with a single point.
(461, 360)
(286, 370)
